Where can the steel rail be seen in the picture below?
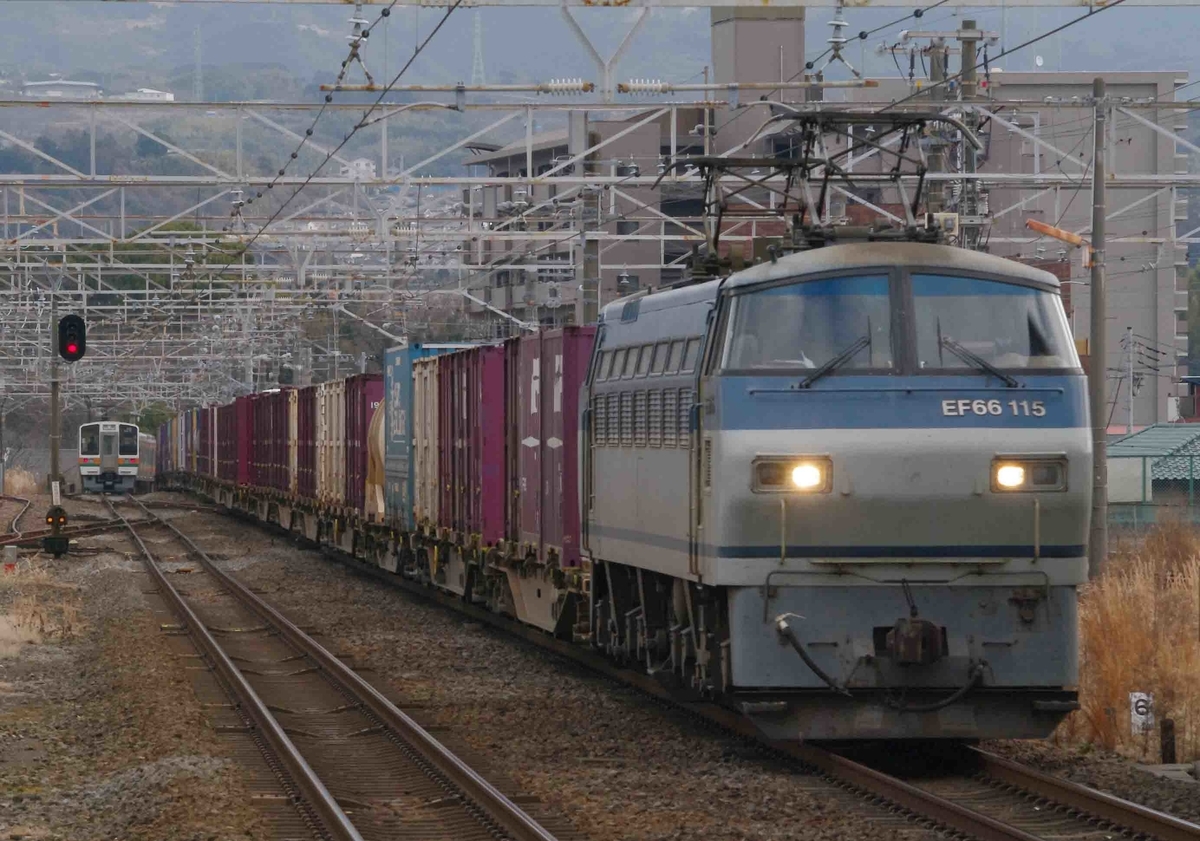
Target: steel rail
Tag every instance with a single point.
(914, 799)
(12, 528)
(335, 821)
(504, 812)
(21, 538)
(1124, 813)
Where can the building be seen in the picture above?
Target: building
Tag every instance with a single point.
(61, 89)
(360, 169)
(146, 95)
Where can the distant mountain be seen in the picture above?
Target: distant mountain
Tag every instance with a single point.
(152, 44)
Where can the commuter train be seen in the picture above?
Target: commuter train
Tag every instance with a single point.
(116, 457)
(845, 492)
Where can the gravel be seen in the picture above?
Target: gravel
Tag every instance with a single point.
(603, 757)
(101, 735)
(1107, 772)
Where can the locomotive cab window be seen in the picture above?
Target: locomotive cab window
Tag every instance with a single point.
(691, 355)
(1007, 325)
(805, 325)
(128, 443)
(606, 361)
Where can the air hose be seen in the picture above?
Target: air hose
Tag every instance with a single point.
(788, 633)
(785, 631)
(974, 677)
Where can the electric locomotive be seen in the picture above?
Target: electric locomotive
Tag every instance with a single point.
(847, 491)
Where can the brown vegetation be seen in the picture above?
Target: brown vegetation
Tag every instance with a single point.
(1140, 632)
(19, 482)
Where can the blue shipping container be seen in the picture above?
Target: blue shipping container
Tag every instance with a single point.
(398, 426)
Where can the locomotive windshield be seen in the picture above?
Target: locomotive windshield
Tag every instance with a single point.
(843, 324)
(1007, 325)
(805, 325)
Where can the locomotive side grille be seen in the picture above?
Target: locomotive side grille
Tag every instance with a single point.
(655, 414)
(626, 419)
(614, 420)
(639, 419)
(685, 408)
(599, 418)
(670, 416)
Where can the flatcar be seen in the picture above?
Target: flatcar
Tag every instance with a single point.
(845, 492)
(116, 457)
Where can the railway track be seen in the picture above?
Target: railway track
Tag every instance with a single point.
(986, 797)
(357, 766)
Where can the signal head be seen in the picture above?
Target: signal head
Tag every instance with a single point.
(72, 338)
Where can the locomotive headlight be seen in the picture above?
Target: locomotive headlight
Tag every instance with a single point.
(807, 476)
(792, 474)
(1010, 476)
(1029, 473)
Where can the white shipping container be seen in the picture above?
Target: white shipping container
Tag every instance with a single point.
(331, 441)
(425, 440)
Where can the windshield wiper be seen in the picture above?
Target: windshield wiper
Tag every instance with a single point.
(837, 361)
(972, 358)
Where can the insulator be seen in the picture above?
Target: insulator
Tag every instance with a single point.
(646, 86)
(560, 87)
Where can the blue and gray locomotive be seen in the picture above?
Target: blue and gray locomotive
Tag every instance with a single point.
(847, 491)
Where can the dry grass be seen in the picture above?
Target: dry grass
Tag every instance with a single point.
(19, 482)
(1140, 632)
(40, 606)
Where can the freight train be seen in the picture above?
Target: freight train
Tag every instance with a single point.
(116, 457)
(845, 492)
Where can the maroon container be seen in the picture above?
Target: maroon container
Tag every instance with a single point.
(364, 392)
(551, 368)
(306, 442)
(279, 472)
(473, 442)
(260, 420)
(204, 458)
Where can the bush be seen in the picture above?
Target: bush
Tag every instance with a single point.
(1139, 628)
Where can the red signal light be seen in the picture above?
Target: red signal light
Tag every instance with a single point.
(72, 347)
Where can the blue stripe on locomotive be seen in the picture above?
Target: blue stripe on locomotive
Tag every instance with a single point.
(910, 402)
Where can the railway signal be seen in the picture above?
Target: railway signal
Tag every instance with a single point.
(56, 543)
(72, 338)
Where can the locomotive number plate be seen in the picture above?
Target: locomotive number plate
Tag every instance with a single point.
(993, 408)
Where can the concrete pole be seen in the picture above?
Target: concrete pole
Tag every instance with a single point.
(936, 201)
(970, 206)
(55, 420)
(1098, 347)
(1129, 351)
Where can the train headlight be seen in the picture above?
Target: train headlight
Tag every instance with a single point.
(792, 474)
(1029, 473)
(1010, 476)
(808, 476)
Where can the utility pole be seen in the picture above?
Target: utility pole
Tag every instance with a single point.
(1097, 346)
(937, 149)
(55, 420)
(1129, 349)
(970, 225)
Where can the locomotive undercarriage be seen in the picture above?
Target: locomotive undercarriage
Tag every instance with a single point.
(676, 630)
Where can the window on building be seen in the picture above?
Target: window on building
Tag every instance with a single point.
(627, 227)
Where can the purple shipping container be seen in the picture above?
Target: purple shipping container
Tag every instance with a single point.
(306, 442)
(472, 441)
(269, 457)
(234, 434)
(204, 459)
(364, 393)
(551, 366)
